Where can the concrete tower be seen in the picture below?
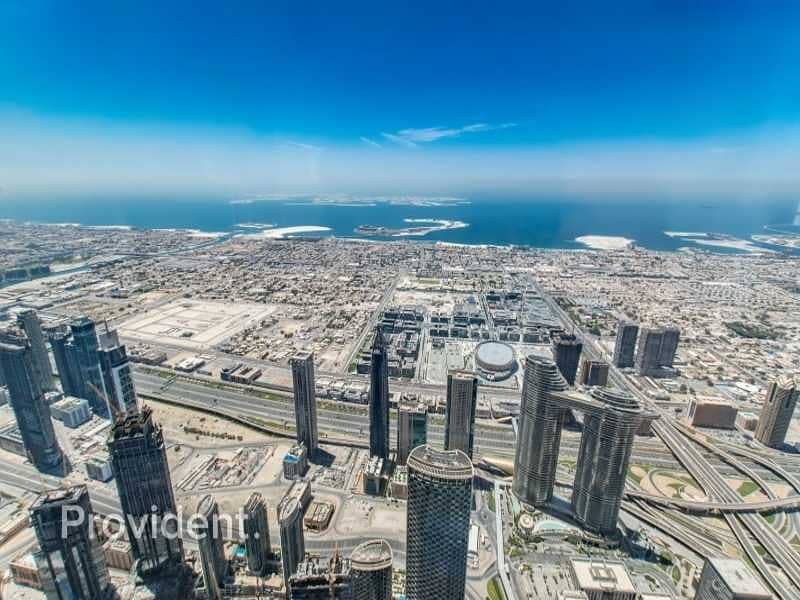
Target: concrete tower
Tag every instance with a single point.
(625, 344)
(256, 531)
(539, 437)
(379, 398)
(462, 397)
(65, 364)
(70, 558)
(593, 372)
(412, 428)
(117, 375)
(83, 347)
(437, 534)
(30, 408)
(648, 353)
(29, 321)
(603, 457)
(212, 552)
(776, 413)
(293, 544)
(305, 402)
(139, 463)
(371, 571)
(567, 354)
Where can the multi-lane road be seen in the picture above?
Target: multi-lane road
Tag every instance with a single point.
(746, 527)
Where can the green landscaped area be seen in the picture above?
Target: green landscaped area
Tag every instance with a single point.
(495, 590)
(747, 488)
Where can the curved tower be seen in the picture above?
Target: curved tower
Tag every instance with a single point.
(541, 417)
(212, 553)
(603, 458)
(371, 571)
(437, 534)
(293, 544)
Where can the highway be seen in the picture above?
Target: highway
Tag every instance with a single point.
(348, 423)
(712, 482)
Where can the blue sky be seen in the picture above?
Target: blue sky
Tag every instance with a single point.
(257, 98)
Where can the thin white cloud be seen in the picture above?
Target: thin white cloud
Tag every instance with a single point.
(399, 140)
(412, 136)
(370, 142)
(41, 157)
(303, 146)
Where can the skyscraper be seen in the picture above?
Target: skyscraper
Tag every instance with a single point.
(30, 407)
(625, 344)
(305, 403)
(256, 531)
(83, 347)
(593, 372)
(117, 375)
(70, 558)
(379, 398)
(669, 346)
(29, 321)
(729, 579)
(139, 464)
(648, 353)
(412, 428)
(539, 436)
(212, 553)
(371, 571)
(462, 397)
(567, 354)
(65, 364)
(293, 543)
(776, 412)
(603, 458)
(437, 534)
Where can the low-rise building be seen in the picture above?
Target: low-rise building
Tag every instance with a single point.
(99, 468)
(318, 516)
(747, 420)
(119, 553)
(602, 580)
(712, 412)
(373, 476)
(71, 411)
(24, 571)
(398, 486)
(295, 462)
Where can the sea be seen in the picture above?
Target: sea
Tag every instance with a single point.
(539, 222)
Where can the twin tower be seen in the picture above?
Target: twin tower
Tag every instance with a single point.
(611, 419)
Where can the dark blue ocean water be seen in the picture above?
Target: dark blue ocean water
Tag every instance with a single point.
(538, 222)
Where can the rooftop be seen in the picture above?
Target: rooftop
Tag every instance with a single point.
(738, 577)
(609, 576)
(445, 464)
(371, 556)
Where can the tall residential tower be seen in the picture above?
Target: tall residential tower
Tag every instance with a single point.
(70, 559)
(379, 398)
(30, 407)
(462, 397)
(776, 412)
(305, 403)
(139, 463)
(437, 533)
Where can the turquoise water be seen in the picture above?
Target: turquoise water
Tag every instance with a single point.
(538, 222)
